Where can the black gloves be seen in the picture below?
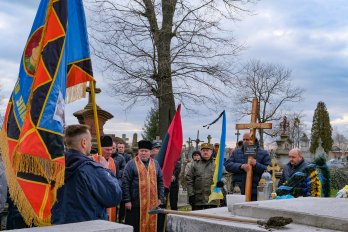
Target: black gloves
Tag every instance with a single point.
(192, 200)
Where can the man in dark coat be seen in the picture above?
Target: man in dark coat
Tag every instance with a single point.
(296, 163)
(238, 165)
(143, 189)
(119, 160)
(200, 179)
(88, 188)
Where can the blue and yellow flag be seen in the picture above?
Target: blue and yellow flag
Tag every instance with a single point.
(55, 61)
(216, 192)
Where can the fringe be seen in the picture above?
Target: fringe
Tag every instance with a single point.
(15, 190)
(75, 92)
(38, 166)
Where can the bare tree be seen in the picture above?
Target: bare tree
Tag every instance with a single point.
(166, 50)
(339, 139)
(272, 86)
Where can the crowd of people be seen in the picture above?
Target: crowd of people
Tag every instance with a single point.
(118, 187)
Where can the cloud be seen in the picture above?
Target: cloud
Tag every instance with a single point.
(308, 37)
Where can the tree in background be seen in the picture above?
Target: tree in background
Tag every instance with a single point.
(321, 129)
(271, 85)
(150, 129)
(166, 50)
(339, 139)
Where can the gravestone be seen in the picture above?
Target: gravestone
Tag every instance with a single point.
(308, 214)
(283, 144)
(304, 146)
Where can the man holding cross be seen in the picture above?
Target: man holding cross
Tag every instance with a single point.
(238, 165)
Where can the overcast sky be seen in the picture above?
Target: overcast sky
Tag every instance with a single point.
(309, 37)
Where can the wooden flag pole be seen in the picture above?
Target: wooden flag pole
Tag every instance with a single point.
(271, 222)
(95, 116)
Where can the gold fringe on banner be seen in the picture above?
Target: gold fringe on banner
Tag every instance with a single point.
(56, 173)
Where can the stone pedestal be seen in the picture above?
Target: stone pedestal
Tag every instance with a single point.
(282, 151)
(85, 116)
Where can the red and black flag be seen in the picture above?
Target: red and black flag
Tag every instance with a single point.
(55, 59)
(170, 151)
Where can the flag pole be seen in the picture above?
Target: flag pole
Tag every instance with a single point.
(95, 116)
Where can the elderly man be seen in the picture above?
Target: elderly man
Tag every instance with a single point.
(200, 178)
(88, 187)
(296, 163)
(143, 189)
(238, 165)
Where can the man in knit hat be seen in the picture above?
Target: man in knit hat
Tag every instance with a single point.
(143, 189)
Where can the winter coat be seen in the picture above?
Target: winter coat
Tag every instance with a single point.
(120, 164)
(87, 191)
(290, 170)
(234, 163)
(130, 183)
(199, 180)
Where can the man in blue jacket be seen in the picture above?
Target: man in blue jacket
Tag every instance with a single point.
(238, 165)
(88, 188)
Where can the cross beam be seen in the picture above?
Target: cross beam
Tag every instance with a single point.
(253, 125)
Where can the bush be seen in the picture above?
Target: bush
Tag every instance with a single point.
(339, 178)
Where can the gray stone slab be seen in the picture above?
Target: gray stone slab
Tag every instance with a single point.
(89, 226)
(232, 199)
(329, 213)
(177, 223)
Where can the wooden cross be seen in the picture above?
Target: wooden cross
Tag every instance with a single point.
(253, 125)
(209, 138)
(273, 168)
(197, 141)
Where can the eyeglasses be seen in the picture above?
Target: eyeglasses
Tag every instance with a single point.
(246, 139)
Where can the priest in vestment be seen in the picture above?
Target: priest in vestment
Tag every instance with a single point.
(106, 144)
(143, 189)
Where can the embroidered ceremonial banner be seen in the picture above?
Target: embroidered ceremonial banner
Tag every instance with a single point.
(56, 57)
(112, 212)
(170, 151)
(147, 195)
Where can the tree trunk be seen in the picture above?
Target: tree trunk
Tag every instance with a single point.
(164, 81)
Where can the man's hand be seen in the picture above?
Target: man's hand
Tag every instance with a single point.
(173, 178)
(128, 205)
(253, 162)
(103, 162)
(245, 167)
(159, 202)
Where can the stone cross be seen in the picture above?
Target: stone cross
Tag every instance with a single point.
(253, 125)
(157, 140)
(124, 138)
(197, 141)
(273, 168)
(209, 138)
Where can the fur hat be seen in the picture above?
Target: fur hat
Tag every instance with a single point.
(144, 144)
(106, 141)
